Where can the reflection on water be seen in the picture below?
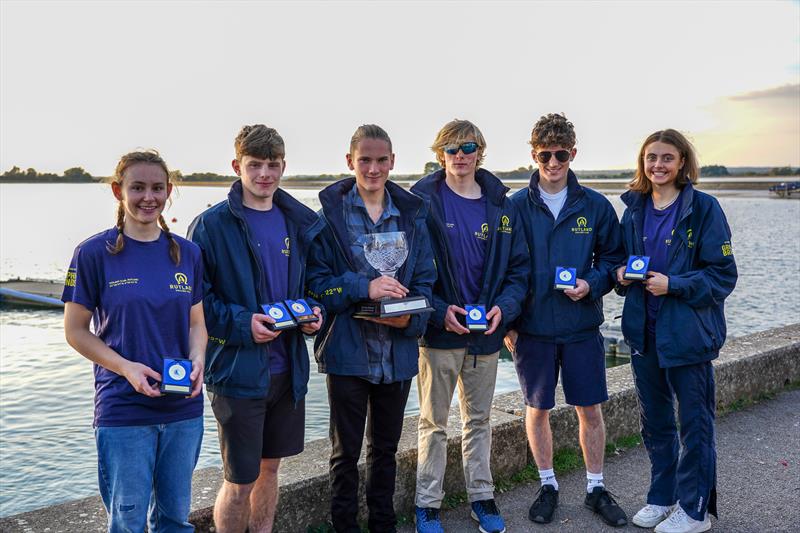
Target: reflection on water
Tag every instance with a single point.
(46, 440)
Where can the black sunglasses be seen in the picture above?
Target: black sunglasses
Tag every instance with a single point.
(561, 155)
(467, 148)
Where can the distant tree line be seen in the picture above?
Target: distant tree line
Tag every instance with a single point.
(79, 175)
(71, 175)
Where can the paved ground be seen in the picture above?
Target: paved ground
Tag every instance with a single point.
(758, 462)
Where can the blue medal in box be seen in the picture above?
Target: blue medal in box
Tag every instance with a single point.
(175, 377)
(281, 316)
(301, 311)
(565, 278)
(637, 267)
(476, 317)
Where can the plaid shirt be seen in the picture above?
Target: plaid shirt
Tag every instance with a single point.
(359, 223)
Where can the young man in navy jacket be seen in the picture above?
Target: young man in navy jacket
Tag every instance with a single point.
(369, 362)
(254, 248)
(572, 227)
(482, 258)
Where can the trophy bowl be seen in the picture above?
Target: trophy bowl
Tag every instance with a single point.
(386, 253)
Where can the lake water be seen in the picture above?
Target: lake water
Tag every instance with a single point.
(47, 452)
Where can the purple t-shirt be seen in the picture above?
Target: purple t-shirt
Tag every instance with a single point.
(658, 229)
(271, 239)
(141, 304)
(467, 234)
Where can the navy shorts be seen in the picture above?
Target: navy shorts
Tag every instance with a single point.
(582, 366)
(251, 429)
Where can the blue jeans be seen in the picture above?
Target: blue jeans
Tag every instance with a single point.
(145, 475)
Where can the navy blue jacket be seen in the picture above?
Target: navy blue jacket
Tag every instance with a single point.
(587, 237)
(236, 365)
(334, 281)
(505, 272)
(690, 326)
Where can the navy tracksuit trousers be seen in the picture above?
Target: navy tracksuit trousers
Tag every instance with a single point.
(690, 474)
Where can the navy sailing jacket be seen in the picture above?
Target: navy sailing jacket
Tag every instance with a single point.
(690, 325)
(334, 281)
(236, 365)
(586, 236)
(505, 272)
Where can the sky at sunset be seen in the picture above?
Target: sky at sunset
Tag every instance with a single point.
(83, 82)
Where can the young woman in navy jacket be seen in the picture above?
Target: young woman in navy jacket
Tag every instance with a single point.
(675, 324)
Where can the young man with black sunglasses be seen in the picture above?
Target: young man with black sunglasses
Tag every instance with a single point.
(575, 243)
(483, 268)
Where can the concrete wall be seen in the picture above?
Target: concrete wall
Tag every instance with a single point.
(747, 367)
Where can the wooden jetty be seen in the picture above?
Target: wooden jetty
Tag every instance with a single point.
(33, 293)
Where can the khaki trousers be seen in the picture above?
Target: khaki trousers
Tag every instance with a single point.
(439, 372)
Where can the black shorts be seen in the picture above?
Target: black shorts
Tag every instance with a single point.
(252, 429)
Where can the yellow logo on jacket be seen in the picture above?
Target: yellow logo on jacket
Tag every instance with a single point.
(582, 226)
(504, 224)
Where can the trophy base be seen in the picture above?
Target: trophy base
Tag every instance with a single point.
(393, 307)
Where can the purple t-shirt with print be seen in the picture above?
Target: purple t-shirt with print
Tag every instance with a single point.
(467, 235)
(141, 303)
(271, 240)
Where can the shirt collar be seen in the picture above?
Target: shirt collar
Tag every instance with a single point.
(389, 209)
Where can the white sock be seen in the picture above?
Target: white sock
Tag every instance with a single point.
(593, 480)
(548, 477)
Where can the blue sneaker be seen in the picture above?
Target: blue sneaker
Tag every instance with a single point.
(486, 513)
(427, 519)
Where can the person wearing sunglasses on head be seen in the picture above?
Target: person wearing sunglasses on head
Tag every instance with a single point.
(481, 259)
(575, 243)
(674, 321)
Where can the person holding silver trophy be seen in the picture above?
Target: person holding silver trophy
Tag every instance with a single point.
(483, 267)
(373, 270)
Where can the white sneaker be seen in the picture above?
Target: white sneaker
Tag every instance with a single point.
(680, 522)
(652, 515)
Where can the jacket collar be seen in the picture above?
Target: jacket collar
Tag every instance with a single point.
(307, 222)
(491, 186)
(574, 189)
(409, 205)
(635, 200)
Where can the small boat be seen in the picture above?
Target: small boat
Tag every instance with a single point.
(786, 189)
(32, 293)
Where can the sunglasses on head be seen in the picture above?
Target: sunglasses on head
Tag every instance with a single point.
(561, 155)
(467, 148)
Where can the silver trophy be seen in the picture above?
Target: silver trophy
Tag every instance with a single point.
(387, 252)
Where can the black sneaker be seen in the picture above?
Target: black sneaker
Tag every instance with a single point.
(544, 505)
(601, 502)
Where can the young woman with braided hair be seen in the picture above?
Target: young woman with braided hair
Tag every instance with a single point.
(140, 286)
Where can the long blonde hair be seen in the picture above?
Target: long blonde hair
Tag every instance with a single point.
(125, 162)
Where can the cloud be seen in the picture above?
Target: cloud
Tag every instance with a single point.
(791, 91)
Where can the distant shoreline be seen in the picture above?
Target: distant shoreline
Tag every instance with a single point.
(727, 183)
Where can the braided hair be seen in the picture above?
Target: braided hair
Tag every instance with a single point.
(125, 162)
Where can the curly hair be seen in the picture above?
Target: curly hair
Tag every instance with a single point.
(553, 129)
